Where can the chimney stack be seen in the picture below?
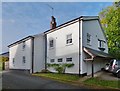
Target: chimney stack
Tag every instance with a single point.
(53, 23)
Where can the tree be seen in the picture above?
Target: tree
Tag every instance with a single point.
(110, 19)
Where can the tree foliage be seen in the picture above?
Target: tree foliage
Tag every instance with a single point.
(110, 19)
(4, 59)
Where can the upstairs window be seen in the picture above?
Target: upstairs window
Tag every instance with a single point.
(24, 60)
(69, 39)
(23, 46)
(68, 59)
(60, 60)
(101, 44)
(51, 42)
(88, 39)
(52, 60)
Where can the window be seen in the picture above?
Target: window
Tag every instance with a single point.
(51, 43)
(68, 59)
(101, 44)
(13, 60)
(60, 60)
(88, 38)
(24, 61)
(52, 60)
(23, 45)
(69, 39)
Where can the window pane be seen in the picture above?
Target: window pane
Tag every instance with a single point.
(24, 61)
(68, 59)
(52, 60)
(51, 43)
(69, 39)
(88, 38)
(13, 60)
(23, 45)
(60, 60)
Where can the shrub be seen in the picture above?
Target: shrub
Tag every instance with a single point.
(60, 68)
(45, 71)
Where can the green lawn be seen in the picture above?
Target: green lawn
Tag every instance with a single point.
(92, 82)
(61, 77)
(103, 83)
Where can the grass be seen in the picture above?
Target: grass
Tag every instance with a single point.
(104, 83)
(91, 82)
(61, 77)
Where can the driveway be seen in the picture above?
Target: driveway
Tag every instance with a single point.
(108, 76)
(21, 80)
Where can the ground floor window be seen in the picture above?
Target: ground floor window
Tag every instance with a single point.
(68, 59)
(52, 60)
(60, 60)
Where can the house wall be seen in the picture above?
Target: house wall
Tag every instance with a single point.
(17, 53)
(93, 28)
(62, 50)
(39, 53)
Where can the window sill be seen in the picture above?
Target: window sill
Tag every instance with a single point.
(100, 48)
(51, 48)
(69, 44)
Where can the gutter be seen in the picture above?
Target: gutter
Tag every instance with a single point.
(32, 63)
(79, 47)
(45, 51)
(81, 44)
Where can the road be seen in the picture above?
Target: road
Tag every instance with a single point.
(21, 80)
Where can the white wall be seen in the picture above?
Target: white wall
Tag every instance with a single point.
(17, 53)
(94, 29)
(39, 53)
(61, 49)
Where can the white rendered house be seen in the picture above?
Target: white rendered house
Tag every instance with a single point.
(80, 41)
(28, 54)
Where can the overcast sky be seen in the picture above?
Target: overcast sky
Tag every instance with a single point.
(20, 19)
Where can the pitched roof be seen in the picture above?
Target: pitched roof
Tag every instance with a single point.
(24, 39)
(85, 18)
(19, 41)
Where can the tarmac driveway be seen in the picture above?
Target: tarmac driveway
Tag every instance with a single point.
(108, 76)
(21, 80)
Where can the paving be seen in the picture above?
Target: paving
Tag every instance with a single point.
(103, 75)
(22, 80)
(108, 76)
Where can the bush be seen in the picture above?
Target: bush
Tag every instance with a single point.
(60, 68)
(45, 71)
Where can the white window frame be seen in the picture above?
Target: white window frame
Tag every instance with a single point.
(52, 60)
(101, 43)
(88, 39)
(13, 61)
(24, 60)
(52, 43)
(69, 59)
(23, 45)
(60, 59)
(69, 39)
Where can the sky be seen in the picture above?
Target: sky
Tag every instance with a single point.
(21, 19)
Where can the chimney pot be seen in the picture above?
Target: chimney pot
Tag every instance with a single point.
(53, 23)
